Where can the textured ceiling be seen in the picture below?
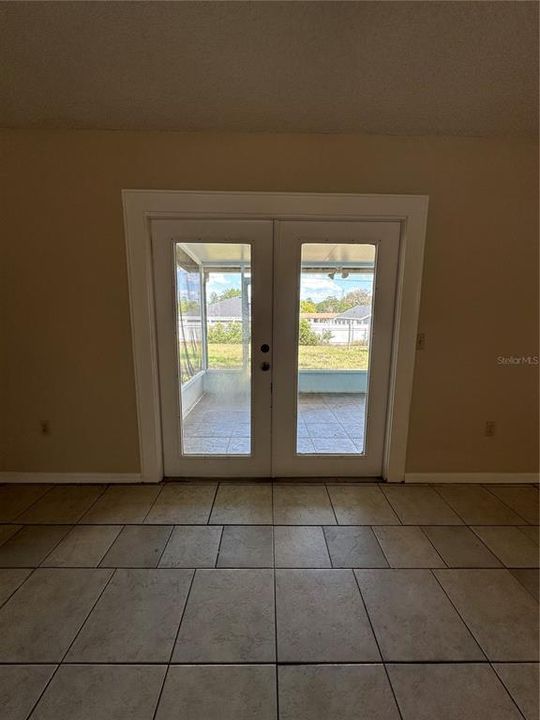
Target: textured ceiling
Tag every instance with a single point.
(450, 68)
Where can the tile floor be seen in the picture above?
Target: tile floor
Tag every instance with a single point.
(327, 423)
(320, 601)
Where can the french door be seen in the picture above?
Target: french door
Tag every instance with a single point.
(274, 345)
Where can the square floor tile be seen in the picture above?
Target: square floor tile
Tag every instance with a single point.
(136, 618)
(192, 546)
(10, 579)
(31, 545)
(477, 506)
(500, 613)
(407, 547)
(335, 692)
(83, 546)
(243, 505)
(300, 547)
(529, 579)
(39, 622)
(20, 688)
(138, 546)
(451, 692)
(248, 546)
(219, 692)
(183, 504)
(122, 504)
(420, 506)
(413, 619)
(510, 545)
(302, 505)
(63, 504)
(522, 682)
(354, 547)
(523, 500)
(321, 618)
(356, 505)
(15, 499)
(102, 692)
(229, 618)
(460, 547)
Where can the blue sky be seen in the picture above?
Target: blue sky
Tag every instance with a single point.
(314, 285)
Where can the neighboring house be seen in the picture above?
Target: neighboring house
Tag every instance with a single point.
(225, 311)
(346, 328)
(351, 326)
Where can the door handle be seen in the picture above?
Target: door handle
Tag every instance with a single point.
(265, 366)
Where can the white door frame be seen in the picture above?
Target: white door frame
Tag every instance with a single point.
(142, 206)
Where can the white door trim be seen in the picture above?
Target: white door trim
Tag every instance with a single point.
(141, 206)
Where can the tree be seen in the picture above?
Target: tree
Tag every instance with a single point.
(307, 306)
(225, 295)
(225, 333)
(306, 335)
(329, 304)
(357, 297)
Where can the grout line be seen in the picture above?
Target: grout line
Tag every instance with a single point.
(424, 533)
(275, 605)
(165, 546)
(64, 536)
(323, 528)
(331, 503)
(471, 633)
(260, 567)
(219, 545)
(182, 617)
(42, 693)
(216, 490)
(501, 680)
(99, 496)
(33, 503)
(161, 690)
(113, 573)
(162, 486)
(330, 663)
(350, 524)
(439, 493)
(383, 662)
(390, 566)
(503, 502)
(12, 593)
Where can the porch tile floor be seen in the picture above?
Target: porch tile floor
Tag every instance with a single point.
(327, 423)
(269, 601)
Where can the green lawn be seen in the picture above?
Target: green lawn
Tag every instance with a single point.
(312, 357)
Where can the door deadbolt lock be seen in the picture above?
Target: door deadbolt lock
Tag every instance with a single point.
(265, 348)
(265, 366)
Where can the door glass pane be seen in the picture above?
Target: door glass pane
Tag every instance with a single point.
(213, 293)
(336, 302)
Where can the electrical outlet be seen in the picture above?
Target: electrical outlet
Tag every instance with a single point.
(420, 341)
(490, 427)
(45, 429)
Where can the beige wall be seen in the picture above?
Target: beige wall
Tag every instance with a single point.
(66, 345)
